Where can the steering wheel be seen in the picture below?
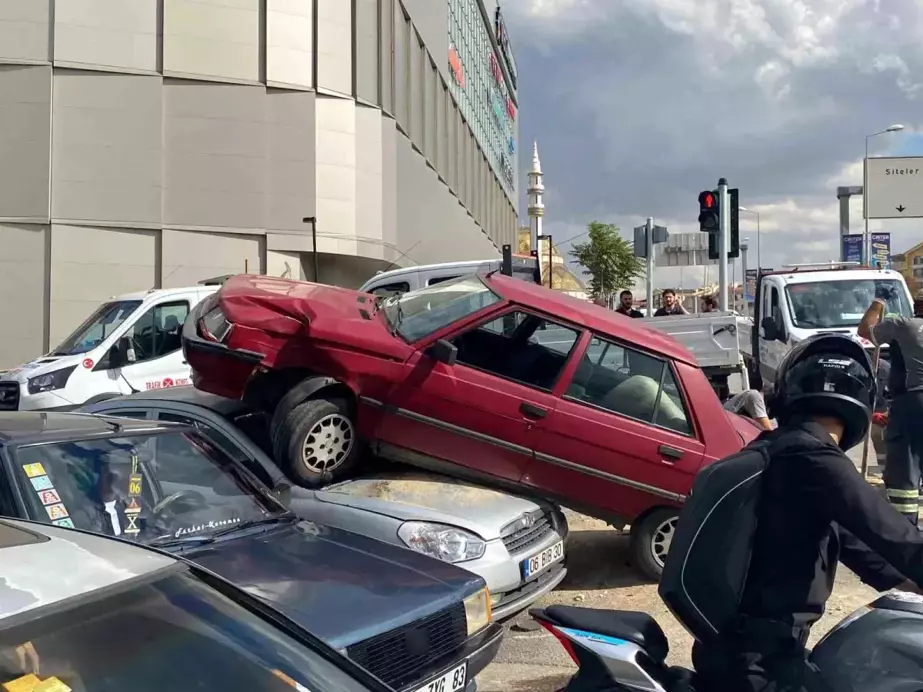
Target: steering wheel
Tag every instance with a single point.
(192, 496)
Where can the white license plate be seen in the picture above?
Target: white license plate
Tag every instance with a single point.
(452, 681)
(542, 560)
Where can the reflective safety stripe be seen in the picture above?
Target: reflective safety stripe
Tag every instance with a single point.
(907, 494)
(906, 507)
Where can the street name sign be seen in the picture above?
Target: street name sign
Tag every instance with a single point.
(893, 187)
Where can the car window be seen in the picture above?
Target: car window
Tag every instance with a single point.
(394, 289)
(170, 632)
(125, 413)
(518, 346)
(441, 279)
(140, 487)
(630, 383)
(158, 331)
(228, 445)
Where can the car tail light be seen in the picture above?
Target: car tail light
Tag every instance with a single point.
(214, 326)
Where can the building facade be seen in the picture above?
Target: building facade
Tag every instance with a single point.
(156, 143)
(910, 265)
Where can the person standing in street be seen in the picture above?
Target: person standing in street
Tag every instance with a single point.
(709, 304)
(904, 434)
(671, 306)
(626, 301)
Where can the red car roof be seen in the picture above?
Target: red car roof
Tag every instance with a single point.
(592, 316)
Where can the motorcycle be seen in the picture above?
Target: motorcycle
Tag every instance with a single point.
(877, 648)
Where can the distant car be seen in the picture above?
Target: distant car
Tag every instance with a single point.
(515, 544)
(407, 618)
(609, 417)
(132, 618)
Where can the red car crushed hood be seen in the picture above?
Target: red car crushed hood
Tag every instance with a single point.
(273, 310)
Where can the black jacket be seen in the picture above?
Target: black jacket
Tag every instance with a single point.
(817, 510)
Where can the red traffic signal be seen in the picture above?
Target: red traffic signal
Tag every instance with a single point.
(707, 200)
(708, 211)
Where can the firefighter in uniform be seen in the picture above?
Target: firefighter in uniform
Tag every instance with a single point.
(815, 510)
(904, 434)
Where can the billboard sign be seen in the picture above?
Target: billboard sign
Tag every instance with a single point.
(503, 40)
(881, 251)
(893, 187)
(851, 248)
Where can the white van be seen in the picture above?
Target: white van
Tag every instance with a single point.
(130, 343)
(398, 281)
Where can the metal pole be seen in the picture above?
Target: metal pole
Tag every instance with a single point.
(313, 221)
(866, 245)
(724, 207)
(743, 271)
(649, 242)
(550, 263)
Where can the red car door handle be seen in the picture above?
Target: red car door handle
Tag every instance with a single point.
(532, 411)
(671, 452)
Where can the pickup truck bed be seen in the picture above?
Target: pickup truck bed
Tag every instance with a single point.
(718, 340)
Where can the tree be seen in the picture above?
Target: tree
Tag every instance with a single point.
(608, 259)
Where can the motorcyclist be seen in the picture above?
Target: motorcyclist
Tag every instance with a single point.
(815, 510)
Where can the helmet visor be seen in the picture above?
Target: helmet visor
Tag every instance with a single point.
(831, 374)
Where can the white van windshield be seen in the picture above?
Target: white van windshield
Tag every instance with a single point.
(97, 328)
(831, 304)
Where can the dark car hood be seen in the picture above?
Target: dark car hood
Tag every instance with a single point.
(342, 587)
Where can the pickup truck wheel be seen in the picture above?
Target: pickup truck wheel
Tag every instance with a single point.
(650, 541)
(317, 443)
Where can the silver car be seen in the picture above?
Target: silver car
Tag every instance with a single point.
(84, 612)
(515, 544)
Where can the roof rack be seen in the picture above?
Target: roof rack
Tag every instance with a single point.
(216, 281)
(825, 265)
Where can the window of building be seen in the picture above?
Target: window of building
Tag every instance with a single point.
(630, 383)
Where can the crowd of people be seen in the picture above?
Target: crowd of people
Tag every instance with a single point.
(671, 305)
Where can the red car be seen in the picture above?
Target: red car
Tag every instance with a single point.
(484, 377)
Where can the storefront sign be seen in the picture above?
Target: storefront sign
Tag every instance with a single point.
(455, 64)
(504, 42)
(507, 169)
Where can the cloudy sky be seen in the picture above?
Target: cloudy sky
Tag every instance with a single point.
(637, 105)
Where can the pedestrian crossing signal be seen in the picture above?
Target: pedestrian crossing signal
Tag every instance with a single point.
(708, 212)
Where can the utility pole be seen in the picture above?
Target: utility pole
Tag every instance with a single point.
(550, 262)
(313, 221)
(649, 248)
(744, 246)
(724, 227)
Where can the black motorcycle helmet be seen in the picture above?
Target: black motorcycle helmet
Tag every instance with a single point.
(826, 375)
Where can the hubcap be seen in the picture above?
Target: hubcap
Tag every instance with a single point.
(660, 543)
(328, 443)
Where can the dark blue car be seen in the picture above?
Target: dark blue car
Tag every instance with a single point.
(417, 623)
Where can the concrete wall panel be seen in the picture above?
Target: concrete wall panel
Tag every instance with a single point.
(368, 51)
(24, 32)
(25, 134)
(190, 257)
(432, 21)
(22, 281)
(334, 46)
(289, 47)
(217, 39)
(284, 264)
(290, 186)
(369, 183)
(107, 33)
(107, 147)
(336, 167)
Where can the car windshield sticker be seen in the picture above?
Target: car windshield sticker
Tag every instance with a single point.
(49, 497)
(66, 523)
(58, 511)
(133, 503)
(33, 470)
(213, 524)
(294, 684)
(41, 483)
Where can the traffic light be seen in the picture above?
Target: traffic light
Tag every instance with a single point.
(708, 211)
(734, 249)
(713, 246)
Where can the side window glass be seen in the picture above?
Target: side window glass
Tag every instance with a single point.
(440, 279)
(216, 437)
(628, 382)
(158, 332)
(518, 346)
(391, 289)
(124, 413)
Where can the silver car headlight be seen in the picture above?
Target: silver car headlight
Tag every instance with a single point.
(447, 543)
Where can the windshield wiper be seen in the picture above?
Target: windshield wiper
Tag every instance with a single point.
(171, 541)
(288, 517)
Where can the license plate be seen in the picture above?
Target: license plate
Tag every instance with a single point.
(539, 561)
(452, 681)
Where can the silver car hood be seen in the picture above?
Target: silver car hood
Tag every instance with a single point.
(419, 496)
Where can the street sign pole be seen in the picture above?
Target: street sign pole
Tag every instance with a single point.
(724, 228)
(744, 246)
(649, 242)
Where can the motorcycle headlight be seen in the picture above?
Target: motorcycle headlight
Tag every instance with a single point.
(50, 380)
(477, 611)
(446, 543)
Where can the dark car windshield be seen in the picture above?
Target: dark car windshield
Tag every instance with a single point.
(417, 314)
(97, 328)
(143, 487)
(831, 304)
(173, 633)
